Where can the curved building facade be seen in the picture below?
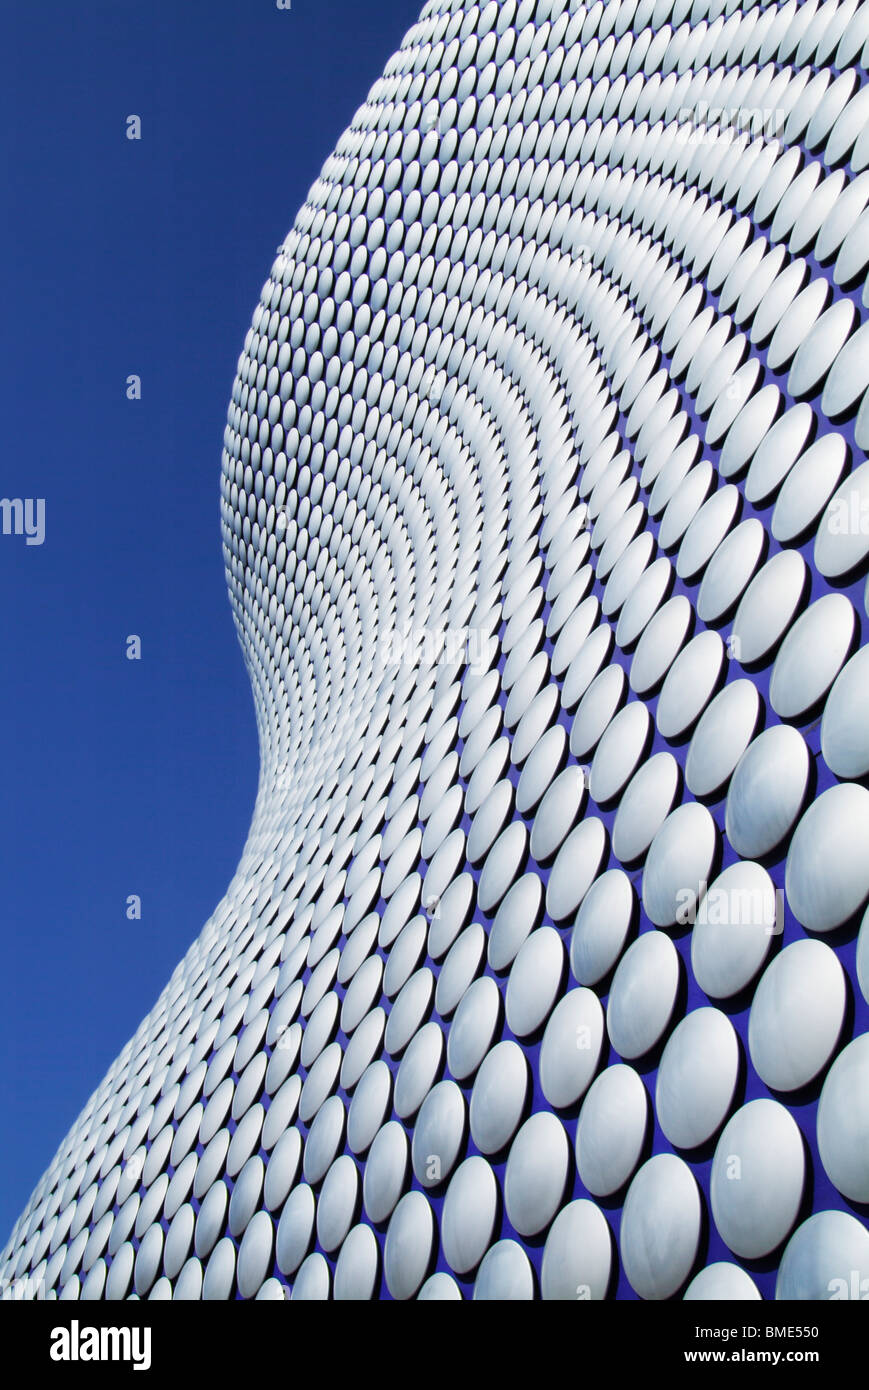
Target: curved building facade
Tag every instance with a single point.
(545, 512)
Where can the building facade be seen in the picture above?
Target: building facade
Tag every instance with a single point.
(545, 512)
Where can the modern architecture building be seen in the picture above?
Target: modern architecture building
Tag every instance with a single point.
(545, 513)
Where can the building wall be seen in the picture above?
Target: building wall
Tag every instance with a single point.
(546, 520)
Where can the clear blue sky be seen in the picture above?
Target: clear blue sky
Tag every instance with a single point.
(124, 257)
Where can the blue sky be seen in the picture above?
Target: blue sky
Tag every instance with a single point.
(122, 257)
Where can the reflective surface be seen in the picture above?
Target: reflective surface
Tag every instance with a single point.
(797, 1015)
(611, 1129)
(721, 737)
(827, 877)
(643, 994)
(660, 1227)
(734, 925)
(697, 1078)
(544, 512)
(679, 860)
(845, 724)
(757, 1178)
(767, 791)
